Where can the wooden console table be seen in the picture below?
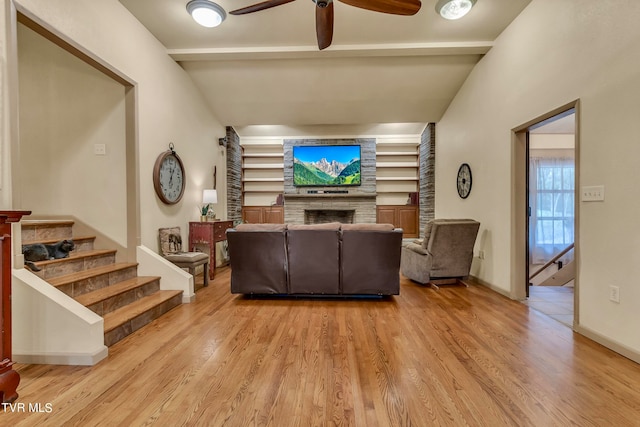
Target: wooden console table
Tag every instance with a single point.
(208, 233)
(9, 379)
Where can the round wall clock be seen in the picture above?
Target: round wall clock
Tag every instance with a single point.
(169, 177)
(464, 180)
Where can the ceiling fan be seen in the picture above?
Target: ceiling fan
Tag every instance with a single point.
(324, 12)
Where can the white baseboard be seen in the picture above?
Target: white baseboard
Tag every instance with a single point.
(492, 287)
(610, 344)
(74, 359)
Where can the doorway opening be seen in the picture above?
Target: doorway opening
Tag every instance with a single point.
(548, 170)
(104, 109)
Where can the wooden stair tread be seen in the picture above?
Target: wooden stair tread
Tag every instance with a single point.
(122, 315)
(117, 282)
(98, 295)
(52, 241)
(87, 274)
(78, 255)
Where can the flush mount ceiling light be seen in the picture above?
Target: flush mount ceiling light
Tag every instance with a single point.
(454, 9)
(206, 13)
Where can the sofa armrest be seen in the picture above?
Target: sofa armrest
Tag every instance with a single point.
(414, 247)
(415, 263)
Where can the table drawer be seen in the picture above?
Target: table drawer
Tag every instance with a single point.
(220, 229)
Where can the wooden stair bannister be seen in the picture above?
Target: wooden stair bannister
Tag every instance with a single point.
(9, 378)
(552, 261)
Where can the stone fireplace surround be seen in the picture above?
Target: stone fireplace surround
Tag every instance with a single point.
(300, 209)
(357, 204)
(320, 216)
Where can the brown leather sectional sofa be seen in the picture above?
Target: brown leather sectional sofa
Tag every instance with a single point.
(320, 259)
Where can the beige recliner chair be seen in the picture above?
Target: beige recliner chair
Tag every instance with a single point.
(444, 255)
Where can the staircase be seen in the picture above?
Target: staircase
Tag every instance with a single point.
(92, 277)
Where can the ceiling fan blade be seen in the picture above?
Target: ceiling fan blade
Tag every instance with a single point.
(259, 6)
(394, 7)
(324, 25)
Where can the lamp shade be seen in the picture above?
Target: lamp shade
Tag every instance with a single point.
(454, 9)
(209, 196)
(206, 13)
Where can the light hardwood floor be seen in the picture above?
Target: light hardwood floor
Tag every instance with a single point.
(454, 357)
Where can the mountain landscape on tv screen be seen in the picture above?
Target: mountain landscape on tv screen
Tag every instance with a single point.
(325, 172)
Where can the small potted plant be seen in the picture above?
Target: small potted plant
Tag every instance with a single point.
(204, 211)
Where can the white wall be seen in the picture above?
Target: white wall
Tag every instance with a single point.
(169, 107)
(67, 106)
(553, 53)
(51, 328)
(8, 91)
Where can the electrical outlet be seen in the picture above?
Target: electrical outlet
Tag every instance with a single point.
(614, 293)
(481, 254)
(99, 149)
(593, 193)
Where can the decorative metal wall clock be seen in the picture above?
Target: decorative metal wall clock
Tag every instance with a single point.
(169, 177)
(464, 180)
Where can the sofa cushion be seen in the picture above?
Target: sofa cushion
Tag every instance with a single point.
(258, 260)
(370, 259)
(368, 227)
(261, 227)
(334, 226)
(313, 252)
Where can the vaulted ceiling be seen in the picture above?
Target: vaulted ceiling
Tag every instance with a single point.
(265, 68)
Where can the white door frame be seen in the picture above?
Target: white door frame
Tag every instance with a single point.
(519, 205)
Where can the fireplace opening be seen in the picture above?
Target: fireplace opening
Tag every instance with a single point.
(322, 216)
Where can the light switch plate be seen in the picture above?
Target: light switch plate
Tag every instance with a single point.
(593, 193)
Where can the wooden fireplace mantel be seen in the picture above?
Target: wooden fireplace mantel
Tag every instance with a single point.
(9, 379)
(330, 195)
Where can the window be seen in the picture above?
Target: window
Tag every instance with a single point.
(552, 192)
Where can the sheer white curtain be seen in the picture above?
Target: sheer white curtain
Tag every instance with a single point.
(551, 198)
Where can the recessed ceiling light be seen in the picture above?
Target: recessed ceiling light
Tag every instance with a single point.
(454, 9)
(206, 13)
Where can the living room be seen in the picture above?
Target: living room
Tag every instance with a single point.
(151, 101)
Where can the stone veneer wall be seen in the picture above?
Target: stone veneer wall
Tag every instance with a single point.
(295, 205)
(360, 198)
(427, 175)
(234, 176)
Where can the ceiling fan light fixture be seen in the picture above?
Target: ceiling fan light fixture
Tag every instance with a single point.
(206, 13)
(454, 9)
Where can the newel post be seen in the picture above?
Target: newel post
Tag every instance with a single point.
(9, 378)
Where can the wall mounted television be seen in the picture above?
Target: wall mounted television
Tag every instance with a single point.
(326, 165)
